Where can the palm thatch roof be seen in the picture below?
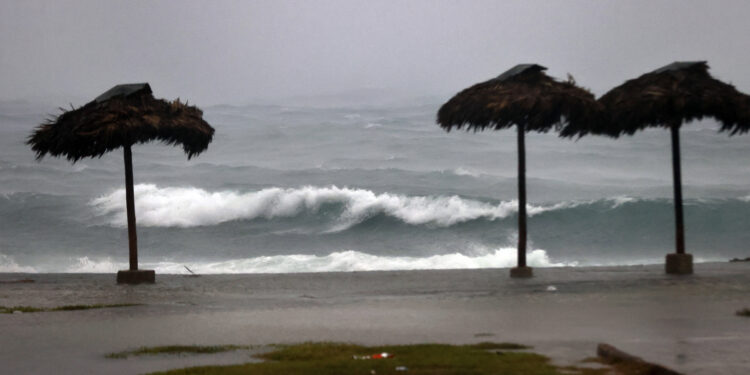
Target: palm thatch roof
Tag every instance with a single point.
(123, 116)
(524, 95)
(677, 93)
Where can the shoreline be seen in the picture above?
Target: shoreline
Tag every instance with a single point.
(685, 323)
(145, 265)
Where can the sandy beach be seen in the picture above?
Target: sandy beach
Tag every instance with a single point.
(686, 323)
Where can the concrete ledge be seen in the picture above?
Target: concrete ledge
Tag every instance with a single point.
(521, 272)
(136, 277)
(679, 264)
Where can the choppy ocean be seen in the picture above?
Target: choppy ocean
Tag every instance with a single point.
(358, 186)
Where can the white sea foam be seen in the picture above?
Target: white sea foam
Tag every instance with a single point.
(8, 264)
(342, 261)
(620, 200)
(461, 171)
(357, 261)
(190, 207)
(87, 265)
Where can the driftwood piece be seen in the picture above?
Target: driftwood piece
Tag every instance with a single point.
(610, 354)
(613, 355)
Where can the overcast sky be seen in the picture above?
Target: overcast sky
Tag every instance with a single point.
(238, 52)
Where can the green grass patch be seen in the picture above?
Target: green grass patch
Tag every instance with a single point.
(743, 312)
(176, 350)
(23, 309)
(422, 359)
(31, 309)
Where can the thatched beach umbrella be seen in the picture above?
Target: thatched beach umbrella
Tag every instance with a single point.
(121, 117)
(668, 97)
(526, 97)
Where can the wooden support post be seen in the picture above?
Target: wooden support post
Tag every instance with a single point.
(678, 263)
(521, 270)
(677, 183)
(130, 205)
(521, 197)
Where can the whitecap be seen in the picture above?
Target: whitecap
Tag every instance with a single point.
(8, 264)
(621, 200)
(461, 171)
(340, 261)
(190, 207)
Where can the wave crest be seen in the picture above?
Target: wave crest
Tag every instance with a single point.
(190, 207)
(8, 264)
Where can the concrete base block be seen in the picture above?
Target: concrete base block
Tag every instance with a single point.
(521, 272)
(136, 277)
(679, 264)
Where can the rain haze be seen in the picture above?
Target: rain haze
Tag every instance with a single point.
(304, 187)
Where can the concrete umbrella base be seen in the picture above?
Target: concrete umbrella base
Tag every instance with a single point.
(521, 272)
(679, 264)
(136, 277)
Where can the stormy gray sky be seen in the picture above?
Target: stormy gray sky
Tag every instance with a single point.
(238, 52)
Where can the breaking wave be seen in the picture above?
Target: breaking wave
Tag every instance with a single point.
(344, 207)
(342, 261)
(357, 261)
(8, 264)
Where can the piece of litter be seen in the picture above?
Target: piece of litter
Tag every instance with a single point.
(373, 356)
(401, 368)
(17, 312)
(551, 288)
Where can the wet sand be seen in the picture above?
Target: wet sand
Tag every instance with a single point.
(686, 323)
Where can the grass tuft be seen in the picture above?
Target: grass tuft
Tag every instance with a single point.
(176, 349)
(30, 309)
(422, 359)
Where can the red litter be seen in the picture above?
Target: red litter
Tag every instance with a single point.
(382, 355)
